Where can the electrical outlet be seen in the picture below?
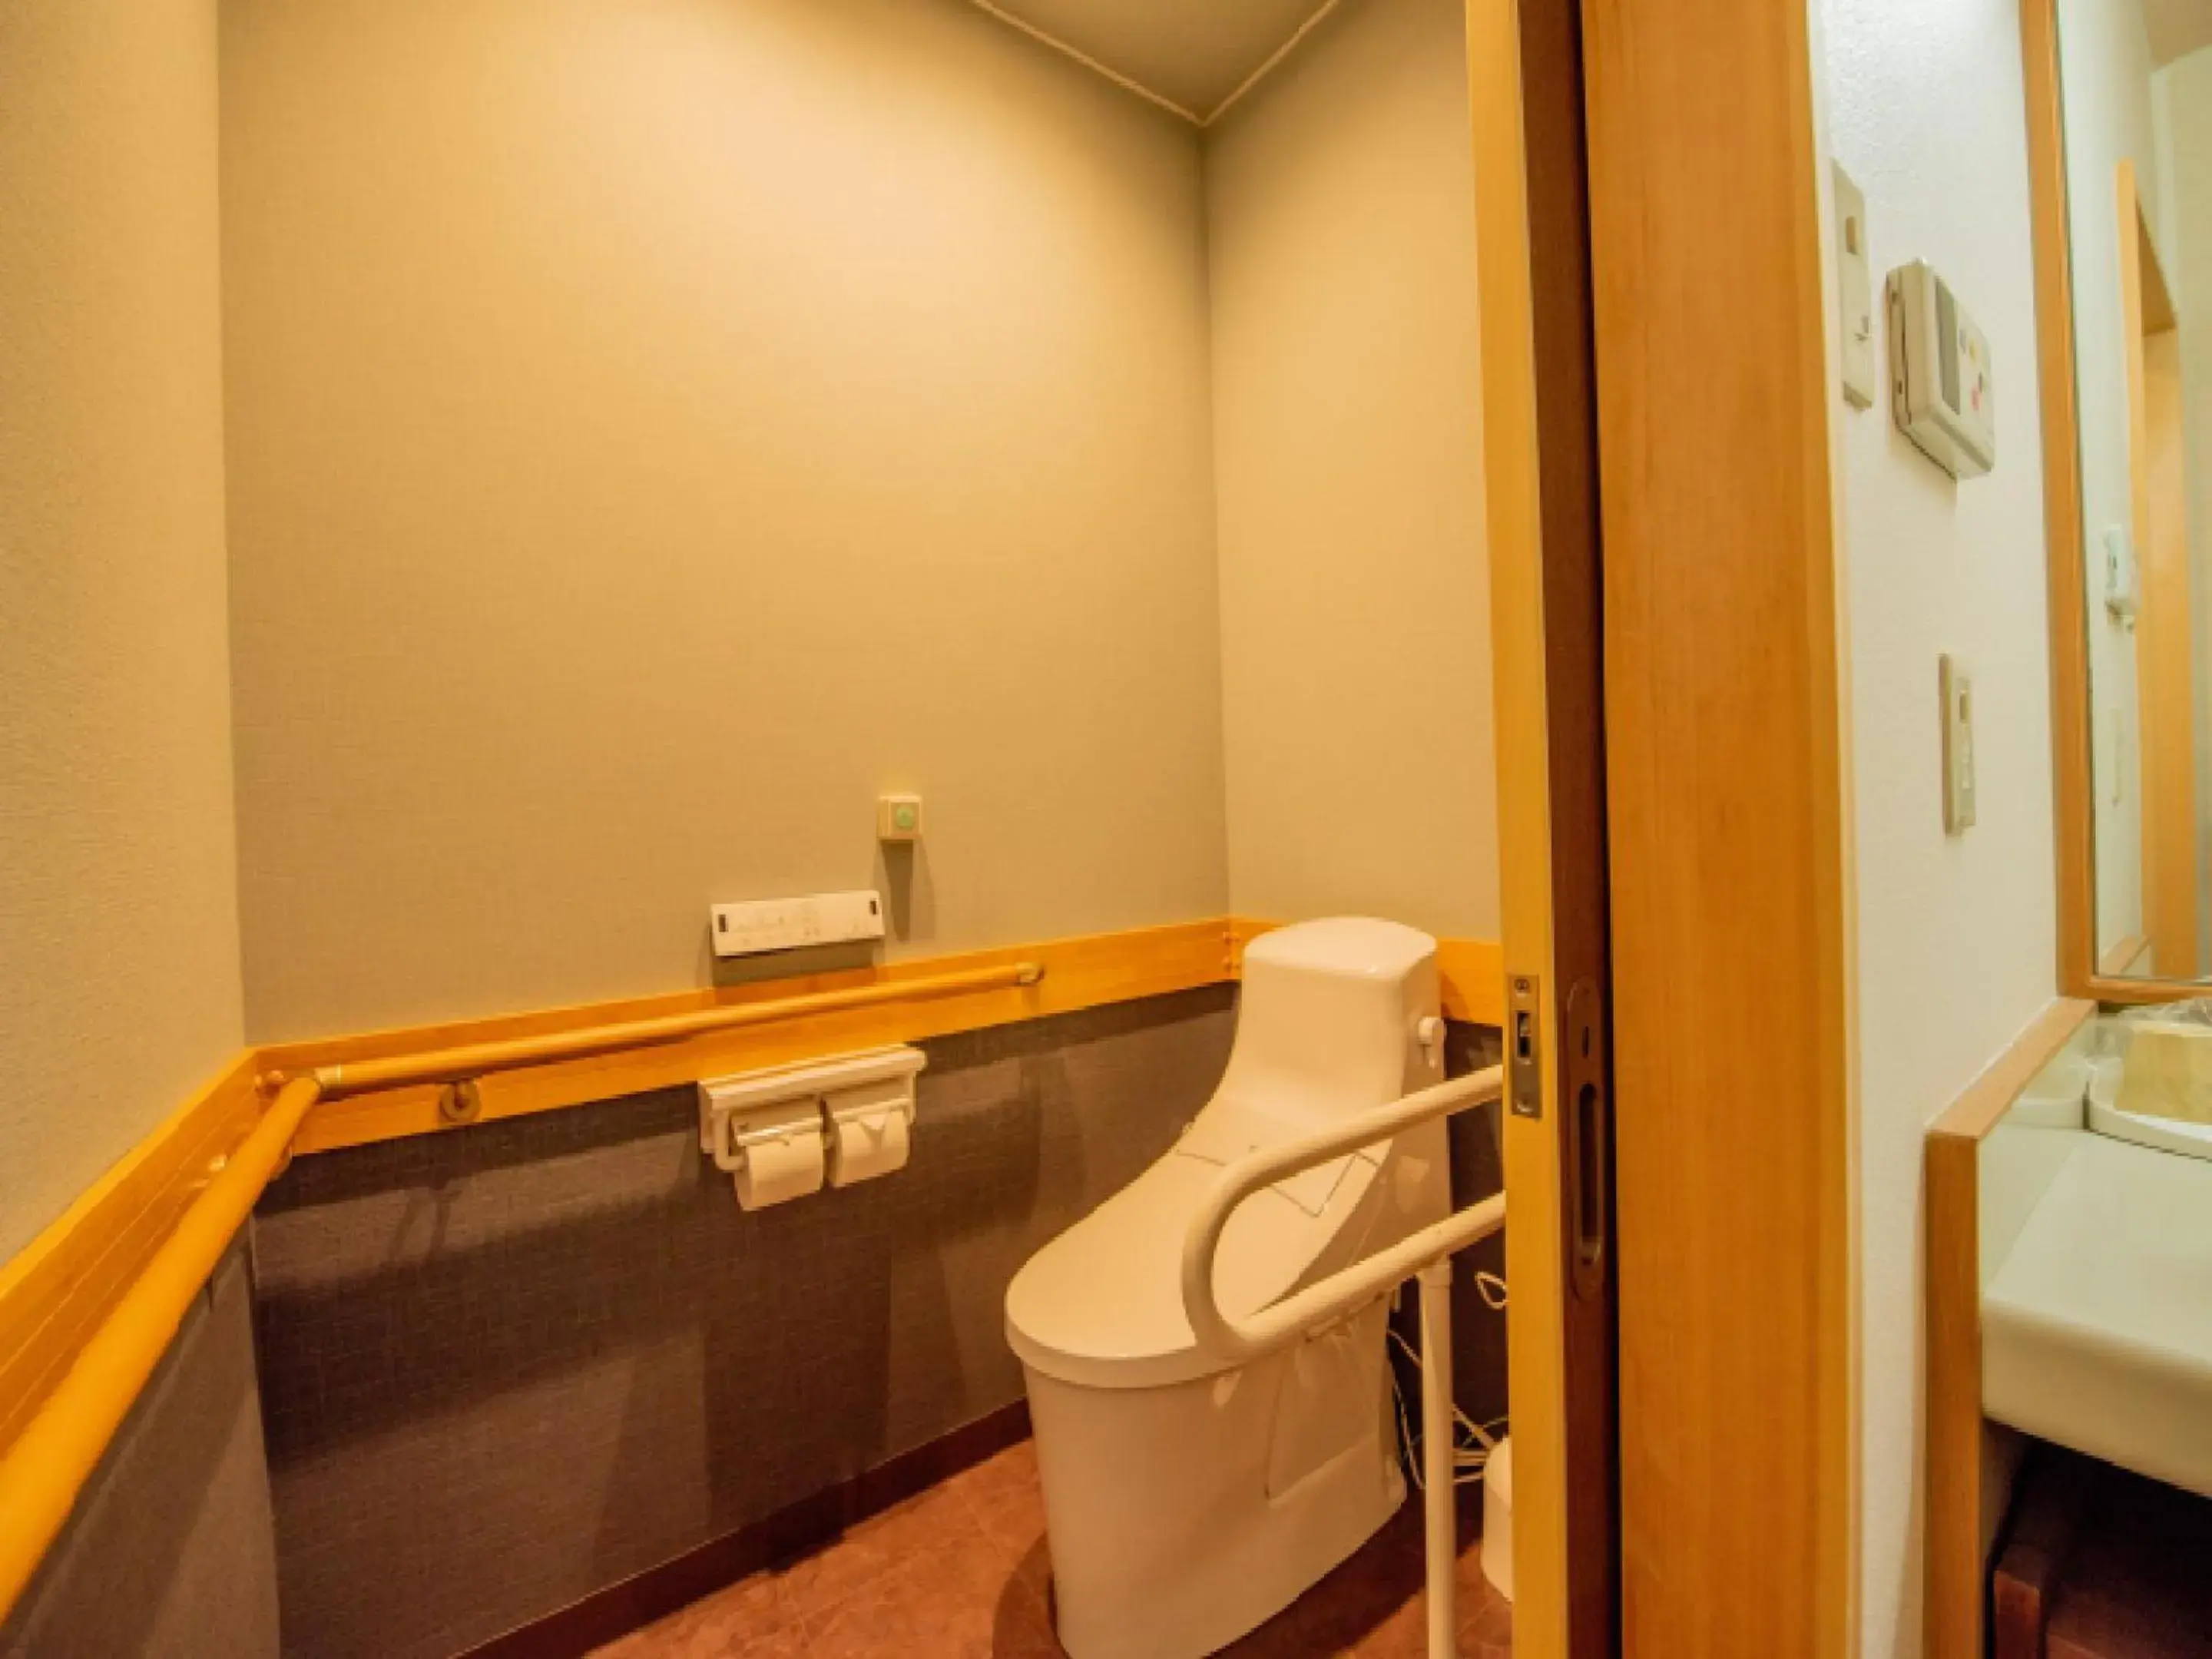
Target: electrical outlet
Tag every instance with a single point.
(1958, 693)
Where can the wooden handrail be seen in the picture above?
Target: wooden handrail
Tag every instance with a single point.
(45, 1471)
(50, 1462)
(476, 1059)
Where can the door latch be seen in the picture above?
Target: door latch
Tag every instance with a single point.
(1524, 1046)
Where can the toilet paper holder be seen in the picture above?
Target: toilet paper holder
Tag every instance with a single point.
(810, 1097)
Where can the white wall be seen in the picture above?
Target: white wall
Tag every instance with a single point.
(119, 907)
(1355, 589)
(1924, 105)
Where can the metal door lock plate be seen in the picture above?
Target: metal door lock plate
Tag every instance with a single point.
(1524, 1046)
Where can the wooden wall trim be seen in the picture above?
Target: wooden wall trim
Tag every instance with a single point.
(1080, 973)
(55, 1293)
(1952, 1564)
(1126, 961)
(1734, 1057)
(1981, 1103)
(1474, 973)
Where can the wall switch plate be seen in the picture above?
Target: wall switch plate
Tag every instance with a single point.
(1958, 692)
(1861, 371)
(791, 924)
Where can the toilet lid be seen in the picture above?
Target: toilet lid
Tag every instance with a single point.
(1101, 1305)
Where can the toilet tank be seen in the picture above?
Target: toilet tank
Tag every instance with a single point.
(1326, 1021)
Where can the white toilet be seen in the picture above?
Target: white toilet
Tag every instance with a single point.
(1186, 1501)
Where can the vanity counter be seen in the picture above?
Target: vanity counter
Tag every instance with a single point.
(2096, 1319)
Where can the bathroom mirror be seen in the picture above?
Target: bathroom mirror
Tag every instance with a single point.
(2132, 199)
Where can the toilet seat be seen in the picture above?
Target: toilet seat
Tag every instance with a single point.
(1101, 1305)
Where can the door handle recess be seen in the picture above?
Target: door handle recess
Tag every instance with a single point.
(1589, 1137)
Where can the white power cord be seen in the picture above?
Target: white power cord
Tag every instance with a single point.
(1468, 1460)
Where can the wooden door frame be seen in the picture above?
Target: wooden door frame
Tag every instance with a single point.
(1723, 805)
(1734, 1042)
(1540, 486)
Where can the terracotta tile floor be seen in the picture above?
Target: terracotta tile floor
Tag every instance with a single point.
(960, 1572)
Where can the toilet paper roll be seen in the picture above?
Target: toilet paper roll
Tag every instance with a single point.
(868, 1144)
(776, 1171)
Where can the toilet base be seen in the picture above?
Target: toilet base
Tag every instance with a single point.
(1166, 1542)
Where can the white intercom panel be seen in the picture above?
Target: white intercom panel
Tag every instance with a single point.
(792, 924)
(1940, 389)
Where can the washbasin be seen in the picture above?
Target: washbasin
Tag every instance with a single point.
(2097, 1322)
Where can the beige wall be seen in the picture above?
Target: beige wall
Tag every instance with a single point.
(118, 940)
(656, 428)
(1956, 935)
(1354, 586)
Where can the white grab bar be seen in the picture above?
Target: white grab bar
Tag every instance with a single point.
(1272, 1327)
(1425, 1254)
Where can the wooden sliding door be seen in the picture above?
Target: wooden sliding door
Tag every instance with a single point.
(1541, 481)
(1731, 940)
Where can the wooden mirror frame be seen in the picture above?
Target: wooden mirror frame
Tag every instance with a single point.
(2081, 974)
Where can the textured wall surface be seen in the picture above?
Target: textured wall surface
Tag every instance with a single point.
(508, 1367)
(119, 904)
(171, 1553)
(658, 428)
(1956, 934)
(1355, 586)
